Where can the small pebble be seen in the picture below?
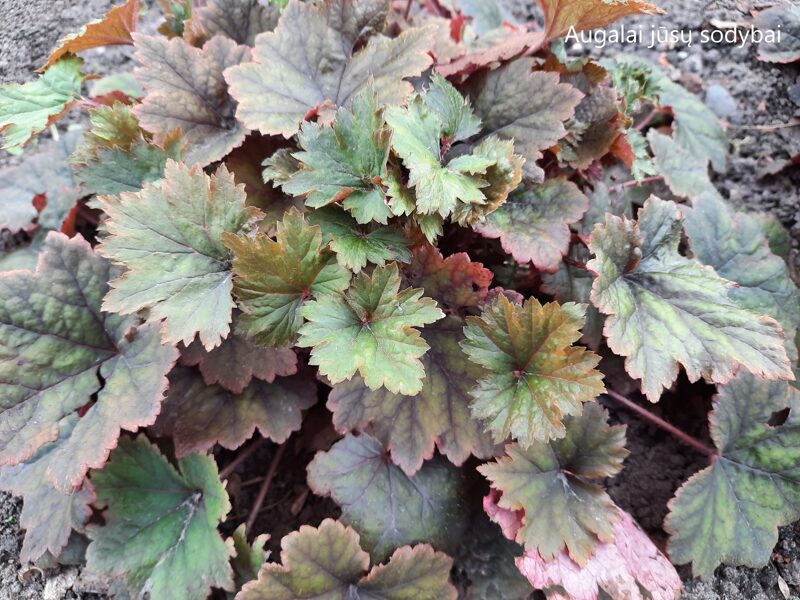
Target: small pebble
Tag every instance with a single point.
(720, 101)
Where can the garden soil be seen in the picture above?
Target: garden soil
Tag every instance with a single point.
(753, 98)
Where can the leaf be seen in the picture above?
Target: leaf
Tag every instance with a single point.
(528, 107)
(27, 109)
(386, 507)
(632, 567)
(161, 523)
(535, 376)
(48, 514)
(123, 82)
(236, 361)
(356, 246)
(248, 558)
(784, 18)
(345, 163)
(289, 80)
(439, 415)
(185, 90)
(370, 329)
(683, 173)
(665, 310)
(560, 16)
(730, 511)
(274, 279)
(117, 155)
(197, 415)
(40, 174)
(113, 29)
(239, 20)
(56, 347)
(454, 282)
(734, 244)
(167, 236)
(555, 485)
(533, 226)
(328, 562)
(520, 41)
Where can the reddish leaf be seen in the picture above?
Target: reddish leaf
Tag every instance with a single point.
(561, 15)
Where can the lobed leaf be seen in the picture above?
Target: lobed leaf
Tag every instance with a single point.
(370, 329)
(239, 20)
(168, 237)
(730, 511)
(289, 80)
(664, 310)
(184, 89)
(533, 226)
(785, 19)
(58, 351)
(554, 484)
(535, 376)
(328, 562)
(27, 109)
(248, 558)
(388, 508)
(561, 16)
(161, 523)
(274, 279)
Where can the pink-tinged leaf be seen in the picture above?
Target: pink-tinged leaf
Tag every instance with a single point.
(560, 16)
(518, 43)
(239, 20)
(631, 567)
(184, 89)
(783, 18)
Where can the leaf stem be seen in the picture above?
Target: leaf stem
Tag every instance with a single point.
(241, 457)
(262, 492)
(659, 422)
(635, 183)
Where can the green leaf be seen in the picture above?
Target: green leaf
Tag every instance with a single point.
(328, 562)
(439, 415)
(184, 89)
(289, 80)
(168, 237)
(684, 174)
(197, 415)
(529, 107)
(535, 375)
(248, 558)
(533, 226)
(370, 329)
(345, 162)
(355, 245)
(730, 511)
(388, 508)
(556, 486)
(27, 109)
(48, 514)
(274, 279)
(665, 310)
(56, 347)
(161, 524)
(123, 82)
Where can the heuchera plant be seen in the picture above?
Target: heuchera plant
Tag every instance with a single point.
(286, 204)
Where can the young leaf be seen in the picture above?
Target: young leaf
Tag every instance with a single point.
(388, 508)
(553, 484)
(273, 279)
(235, 362)
(370, 329)
(786, 19)
(56, 347)
(528, 107)
(346, 161)
(289, 80)
(113, 29)
(355, 245)
(439, 415)
(666, 310)
(533, 226)
(631, 567)
(48, 514)
(561, 16)
(730, 512)
(168, 236)
(248, 558)
(185, 90)
(27, 109)
(239, 20)
(197, 415)
(328, 562)
(536, 376)
(161, 523)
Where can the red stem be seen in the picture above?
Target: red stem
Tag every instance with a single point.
(646, 121)
(262, 492)
(408, 10)
(634, 183)
(659, 422)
